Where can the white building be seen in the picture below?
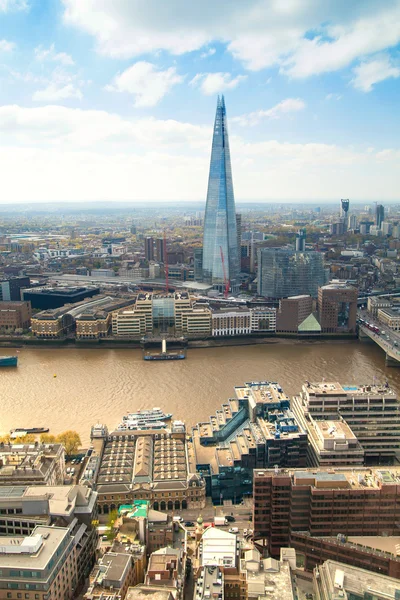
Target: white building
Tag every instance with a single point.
(263, 319)
(231, 322)
(219, 548)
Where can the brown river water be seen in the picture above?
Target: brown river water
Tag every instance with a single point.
(96, 385)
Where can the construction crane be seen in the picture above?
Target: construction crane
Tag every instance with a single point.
(165, 262)
(226, 280)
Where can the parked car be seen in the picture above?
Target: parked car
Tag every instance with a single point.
(188, 524)
(234, 530)
(230, 519)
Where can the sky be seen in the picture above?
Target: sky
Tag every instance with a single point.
(104, 100)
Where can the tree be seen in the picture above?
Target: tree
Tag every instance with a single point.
(112, 517)
(70, 440)
(47, 438)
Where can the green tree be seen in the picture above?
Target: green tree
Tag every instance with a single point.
(112, 517)
(70, 440)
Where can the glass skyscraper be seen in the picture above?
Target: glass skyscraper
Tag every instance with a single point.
(220, 232)
(283, 273)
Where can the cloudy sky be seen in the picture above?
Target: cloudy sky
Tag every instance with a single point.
(115, 99)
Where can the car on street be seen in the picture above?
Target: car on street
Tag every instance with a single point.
(188, 524)
(234, 530)
(230, 519)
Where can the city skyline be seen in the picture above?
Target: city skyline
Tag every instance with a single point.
(103, 103)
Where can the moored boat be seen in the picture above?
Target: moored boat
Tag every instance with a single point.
(8, 361)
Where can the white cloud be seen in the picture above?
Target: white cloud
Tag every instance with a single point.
(146, 83)
(43, 54)
(61, 86)
(54, 153)
(260, 33)
(368, 73)
(208, 53)
(13, 5)
(333, 96)
(214, 83)
(286, 106)
(6, 46)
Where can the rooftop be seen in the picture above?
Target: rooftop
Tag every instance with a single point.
(334, 388)
(51, 539)
(358, 582)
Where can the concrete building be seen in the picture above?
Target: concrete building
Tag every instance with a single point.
(371, 411)
(10, 289)
(166, 569)
(15, 315)
(42, 566)
(52, 323)
(148, 465)
(149, 248)
(32, 464)
(326, 502)
(331, 443)
(390, 317)
(22, 509)
(379, 215)
(374, 303)
(337, 308)
(210, 583)
(292, 312)
(334, 580)
(254, 429)
(152, 528)
(374, 553)
(263, 319)
(228, 321)
(113, 574)
(149, 592)
(270, 576)
(94, 319)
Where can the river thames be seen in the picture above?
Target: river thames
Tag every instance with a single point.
(96, 385)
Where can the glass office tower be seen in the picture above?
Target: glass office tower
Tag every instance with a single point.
(220, 233)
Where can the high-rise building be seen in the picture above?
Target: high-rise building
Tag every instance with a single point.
(149, 248)
(337, 307)
(160, 250)
(239, 231)
(283, 273)
(325, 502)
(10, 289)
(301, 240)
(220, 241)
(344, 208)
(198, 263)
(379, 215)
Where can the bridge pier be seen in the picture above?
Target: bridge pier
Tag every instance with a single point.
(391, 362)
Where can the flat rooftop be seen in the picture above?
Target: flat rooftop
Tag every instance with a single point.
(360, 581)
(334, 430)
(52, 538)
(261, 392)
(334, 388)
(337, 478)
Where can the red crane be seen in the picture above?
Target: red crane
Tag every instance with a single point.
(165, 262)
(226, 280)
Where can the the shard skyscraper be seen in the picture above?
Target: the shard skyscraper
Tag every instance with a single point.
(220, 246)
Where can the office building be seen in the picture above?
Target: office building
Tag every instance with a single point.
(41, 566)
(334, 580)
(220, 247)
(344, 209)
(292, 312)
(228, 321)
(337, 308)
(283, 273)
(45, 298)
(114, 573)
(239, 231)
(352, 222)
(10, 289)
(198, 263)
(379, 215)
(149, 248)
(159, 253)
(32, 464)
(166, 568)
(263, 319)
(301, 240)
(324, 502)
(15, 315)
(256, 428)
(371, 411)
(375, 553)
(387, 228)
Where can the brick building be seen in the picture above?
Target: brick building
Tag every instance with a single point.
(337, 307)
(15, 315)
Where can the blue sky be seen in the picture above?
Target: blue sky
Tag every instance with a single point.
(115, 99)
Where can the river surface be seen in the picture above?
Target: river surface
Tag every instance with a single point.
(94, 385)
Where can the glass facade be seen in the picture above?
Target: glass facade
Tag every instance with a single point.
(283, 273)
(220, 232)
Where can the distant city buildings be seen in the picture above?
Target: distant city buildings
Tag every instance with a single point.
(10, 289)
(220, 240)
(379, 215)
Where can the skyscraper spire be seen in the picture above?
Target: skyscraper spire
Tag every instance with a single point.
(220, 235)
